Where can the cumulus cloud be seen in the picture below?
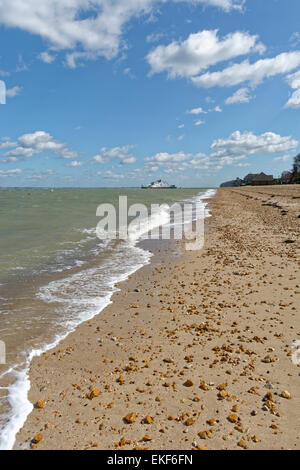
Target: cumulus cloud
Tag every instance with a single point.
(12, 92)
(9, 160)
(88, 28)
(253, 73)
(75, 164)
(180, 162)
(67, 153)
(46, 57)
(8, 173)
(199, 122)
(295, 39)
(247, 143)
(117, 153)
(110, 175)
(200, 51)
(196, 111)
(284, 158)
(294, 82)
(6, 143)
(167, 158)
(226, 5)
(28, 145)
(240, 96)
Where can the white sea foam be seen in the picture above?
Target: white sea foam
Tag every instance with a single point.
(77, 295)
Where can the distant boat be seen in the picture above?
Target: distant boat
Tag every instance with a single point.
(159, 184)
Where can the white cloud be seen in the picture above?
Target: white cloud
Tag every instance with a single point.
(154, 37)
(295, 39)
(253, 73)
(87, 28)
(28, 145)
(294, 82)
(46, 57)
(68, 153)
(9, 160)
(75, 164)
(3, 73)
(119, 153)
(6, 144)
(40, 176)
(12, 92)
(127, 71)
(5, 173)
(196, 111)
(226, 5)
(167, 158)
(240, 96)
(232, 151)
(199, 122)
(181, 126)
(294, 101)
(200, 51)
(110, 175)
(247, 143)
(217, 109)
(284, 158)
(180, 138)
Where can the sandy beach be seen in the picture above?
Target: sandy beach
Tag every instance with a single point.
(195, 350)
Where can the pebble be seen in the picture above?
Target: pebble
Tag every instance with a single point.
(286, 394)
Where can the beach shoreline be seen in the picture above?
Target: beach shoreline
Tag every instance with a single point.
(187, 350)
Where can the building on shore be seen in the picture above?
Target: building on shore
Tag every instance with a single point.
(262, 180)
(249, 178)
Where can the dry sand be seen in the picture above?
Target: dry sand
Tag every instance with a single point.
(195, 350)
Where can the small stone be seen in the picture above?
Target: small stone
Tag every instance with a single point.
(205, 434)
(190, 422)
(243, 445)
(223, 394)
(188, 383)
(169, 361)
(212, 422)
(233, 418)
(286, 394)
(93, 394)
(204, 386)
(130, 418)
(38, 438)
(40, 405)
(148, 420)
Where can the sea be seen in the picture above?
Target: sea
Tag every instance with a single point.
(55, 273)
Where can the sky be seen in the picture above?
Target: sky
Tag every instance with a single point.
(114, 93)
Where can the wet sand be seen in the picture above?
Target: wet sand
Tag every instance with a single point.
(195, 351)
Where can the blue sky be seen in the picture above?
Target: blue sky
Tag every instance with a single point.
(114, 93)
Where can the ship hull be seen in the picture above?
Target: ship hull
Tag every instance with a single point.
(153, 187)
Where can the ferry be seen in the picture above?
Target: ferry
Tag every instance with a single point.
(159, 184)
